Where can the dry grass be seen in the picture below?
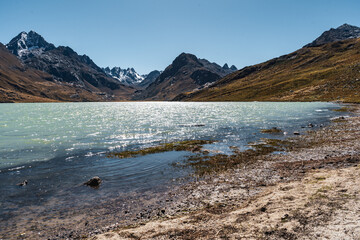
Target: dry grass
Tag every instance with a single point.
(330, 72)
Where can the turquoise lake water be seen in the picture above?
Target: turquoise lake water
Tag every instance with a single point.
(42, 131)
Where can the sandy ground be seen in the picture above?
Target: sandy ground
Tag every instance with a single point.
(309, 193)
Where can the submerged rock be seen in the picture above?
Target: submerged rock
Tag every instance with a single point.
(93, 182)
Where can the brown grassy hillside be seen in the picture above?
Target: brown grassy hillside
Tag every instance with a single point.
(328, 72)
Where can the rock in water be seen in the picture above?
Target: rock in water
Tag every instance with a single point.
(93, 182)
(23, 183)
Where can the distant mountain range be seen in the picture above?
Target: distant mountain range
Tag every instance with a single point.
(327, 69)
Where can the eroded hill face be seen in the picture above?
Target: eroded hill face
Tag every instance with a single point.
(186, 73)
(330, 72)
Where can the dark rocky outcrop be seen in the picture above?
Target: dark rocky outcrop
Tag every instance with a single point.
(343, 32)
(93, 182)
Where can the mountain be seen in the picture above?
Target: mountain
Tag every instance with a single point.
(19, 83)
(126, 76)
(130, 77)
(343, 32)
(186, 73)
(327, 72)
(232, 68)
(25, 43)
(66, 66)
(150, 78)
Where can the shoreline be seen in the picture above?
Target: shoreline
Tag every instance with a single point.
(196, 210)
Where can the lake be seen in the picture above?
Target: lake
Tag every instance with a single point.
(58, 146)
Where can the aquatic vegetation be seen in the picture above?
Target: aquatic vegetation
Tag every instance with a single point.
(207, 164)
(189, 145)
(204, 163)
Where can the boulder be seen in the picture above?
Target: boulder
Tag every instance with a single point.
(93, 182)
(23, 183)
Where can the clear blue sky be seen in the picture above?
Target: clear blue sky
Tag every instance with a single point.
(149, 34)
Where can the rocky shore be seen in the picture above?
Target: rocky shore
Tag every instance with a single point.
(311, 192)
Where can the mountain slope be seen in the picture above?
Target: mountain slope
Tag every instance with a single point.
(186, 73)
(327, 72)
(66, 66)
(19, 83)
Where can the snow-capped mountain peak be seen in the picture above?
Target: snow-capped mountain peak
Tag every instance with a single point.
(24, 43)
(127, 76)
(130, 77)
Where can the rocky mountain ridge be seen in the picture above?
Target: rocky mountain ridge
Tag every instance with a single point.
(343, 32)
